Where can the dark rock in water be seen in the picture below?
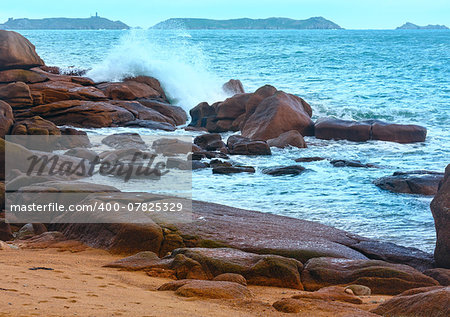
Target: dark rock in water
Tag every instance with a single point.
(440, 208)
(381, 277)
(201, 114)
(197, 156)
(290, 138)
(309, 159)
(198, 165)
(181, 164)
(439, 274)
(219, 163)
(400, 133)
(6, 118)
(331, 128)
(152, 125)
(210, 141)
(413, 182)
(233, 86)
(351, 163)
(233, 169)
(360, 131)
(423, 302)
(240, 145)
(125, 140)
(17, 52)
(285, 170)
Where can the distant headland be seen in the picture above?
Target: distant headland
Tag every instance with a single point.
(245, 23)
(92, 23)
(411, 26)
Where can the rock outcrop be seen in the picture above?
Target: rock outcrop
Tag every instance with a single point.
(17, 52)
(440, 208)
(381, 277)
(412, 182)
(425, 302)
(262, 115)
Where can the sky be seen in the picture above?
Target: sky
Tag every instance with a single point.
(350, 14)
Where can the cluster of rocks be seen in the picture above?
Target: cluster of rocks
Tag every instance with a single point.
(275, 116)
(35, 99)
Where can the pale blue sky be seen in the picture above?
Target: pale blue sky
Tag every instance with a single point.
(352, 14)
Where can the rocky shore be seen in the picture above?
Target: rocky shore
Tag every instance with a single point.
(222, 252)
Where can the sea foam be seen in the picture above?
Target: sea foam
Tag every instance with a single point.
(171, 57)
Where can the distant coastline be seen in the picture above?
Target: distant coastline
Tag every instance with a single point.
(412, 26)
(92, 23)
(249, 24)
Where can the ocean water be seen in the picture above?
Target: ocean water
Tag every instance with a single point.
(398, 76)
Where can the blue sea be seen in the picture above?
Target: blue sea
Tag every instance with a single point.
(400, 76)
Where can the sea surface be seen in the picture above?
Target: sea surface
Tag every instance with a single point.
(399, 76)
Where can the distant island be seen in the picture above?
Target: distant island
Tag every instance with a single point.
(411, 26)
(245, 23)
(92, 23)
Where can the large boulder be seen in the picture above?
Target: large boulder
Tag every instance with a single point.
(6, 118)
(400, 133)
(18, 95)
(360, 131)
(440, 208)
(278, 114)
(17, 52)
(425, 302)
(381, 277)
(413, 182)
(210, 141)
(262, 115)
(290, 138)
(233, 87)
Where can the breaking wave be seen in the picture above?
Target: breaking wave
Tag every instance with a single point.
(171, 57)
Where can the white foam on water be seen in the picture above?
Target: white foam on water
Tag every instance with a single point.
(171, 57)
